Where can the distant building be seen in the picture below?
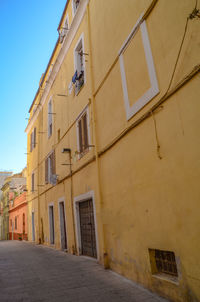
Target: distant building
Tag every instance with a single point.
(14, 186)
(17, 216)
(3, 176)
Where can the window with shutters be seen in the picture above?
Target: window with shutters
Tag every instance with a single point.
(83, 133)
(32, 182)
(33, 140)
(49, 118)
(79, 76)
(50, 167)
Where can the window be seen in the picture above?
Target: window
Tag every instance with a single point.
(79, 76)
(33, 140)
(50, 124)
(50, 167)
(64, 30)
(11, 222)
(15, 222)
(75, 5)
(163, 262)
(83, 138)
(32, 182)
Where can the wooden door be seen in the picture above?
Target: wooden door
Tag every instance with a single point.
(87, 227)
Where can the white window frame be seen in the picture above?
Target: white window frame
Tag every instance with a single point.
(50, 117)
(154, 89)
(77, 200)
(80, 40)
(86, 110)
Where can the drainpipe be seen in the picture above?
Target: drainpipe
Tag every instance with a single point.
(72, 204)
(101, 225)
(38, 193)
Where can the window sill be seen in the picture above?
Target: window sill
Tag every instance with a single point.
(77, 92)
(168, 278)
(83, 153)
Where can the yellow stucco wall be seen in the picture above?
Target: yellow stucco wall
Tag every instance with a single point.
(145, 197)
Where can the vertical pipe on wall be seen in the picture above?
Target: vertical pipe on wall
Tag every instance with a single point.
(104, 255)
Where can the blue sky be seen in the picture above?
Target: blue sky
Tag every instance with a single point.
(28, 31)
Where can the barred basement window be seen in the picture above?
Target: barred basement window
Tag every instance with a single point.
(163, 262)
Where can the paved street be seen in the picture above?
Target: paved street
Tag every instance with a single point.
(36, 273)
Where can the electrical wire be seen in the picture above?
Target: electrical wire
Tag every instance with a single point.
(178, 56)
(191, 16)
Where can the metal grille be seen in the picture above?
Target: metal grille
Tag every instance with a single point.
(88, 239)
(166, 262)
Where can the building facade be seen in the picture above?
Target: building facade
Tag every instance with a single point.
(3, 176)
(13, 186)
(113, 142)
(18, 217)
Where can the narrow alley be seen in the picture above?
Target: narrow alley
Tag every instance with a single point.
(37, 273)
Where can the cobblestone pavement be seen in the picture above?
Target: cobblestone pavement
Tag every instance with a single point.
(37, 273)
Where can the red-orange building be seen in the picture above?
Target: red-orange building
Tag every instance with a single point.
(17, 216)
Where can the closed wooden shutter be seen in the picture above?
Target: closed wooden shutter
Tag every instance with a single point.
(34, 139)
(53, 162)
(46, 170)
(80, 137)
(85, 131)
(31, 142)
(33, 182)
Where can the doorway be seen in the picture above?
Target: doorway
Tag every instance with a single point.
(87, 228)
(51, 225)
(63, 234)
(33, 226)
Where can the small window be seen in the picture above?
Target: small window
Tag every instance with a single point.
(79, 76)
(50, 167)
(50, 123)
(83, 134)
(32, 182)
(163, 262)
(75, 5)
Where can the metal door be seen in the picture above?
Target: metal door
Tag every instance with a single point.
(63, 226)
(87, 227)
